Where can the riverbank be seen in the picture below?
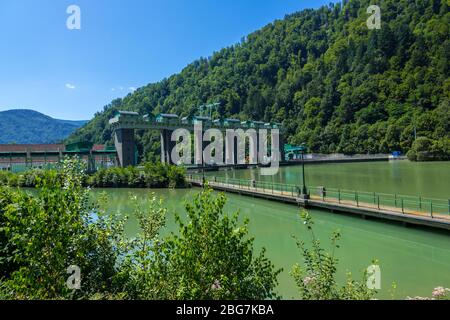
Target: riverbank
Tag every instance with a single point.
(149, 175)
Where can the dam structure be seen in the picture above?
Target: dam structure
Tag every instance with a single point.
(124, 124)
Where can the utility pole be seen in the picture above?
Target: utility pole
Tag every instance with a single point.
(203, 170)
(304, 193)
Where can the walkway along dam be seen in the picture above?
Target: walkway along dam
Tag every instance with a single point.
(420, 211)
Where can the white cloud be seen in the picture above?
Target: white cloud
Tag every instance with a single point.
(121, 88)
(70, 86)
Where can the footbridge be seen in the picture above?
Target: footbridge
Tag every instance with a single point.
(124, 124)
(405, 209)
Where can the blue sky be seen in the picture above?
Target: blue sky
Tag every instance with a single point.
(122, 45)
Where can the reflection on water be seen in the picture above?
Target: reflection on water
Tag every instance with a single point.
(427, 179)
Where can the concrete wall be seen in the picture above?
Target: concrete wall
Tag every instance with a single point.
(125, 146)
(166, 146)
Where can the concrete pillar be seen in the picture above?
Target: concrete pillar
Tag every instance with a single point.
(28, 159)
(258, 143)
(282, 153)
(204, 145)
(253, 149)
(166, 146)
(235, 152)
(125, 146)
(231, 151)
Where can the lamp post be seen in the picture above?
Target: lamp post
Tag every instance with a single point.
(203, 171)
(304, 193)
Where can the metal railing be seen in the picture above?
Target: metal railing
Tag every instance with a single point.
(434, 208)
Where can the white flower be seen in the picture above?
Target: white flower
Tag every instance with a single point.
(307, 280)
(439, 292)
(417, 298)
(216, 285)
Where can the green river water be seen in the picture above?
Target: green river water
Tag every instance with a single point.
(416, 259)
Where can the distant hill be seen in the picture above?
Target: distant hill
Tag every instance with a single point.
(29, 126)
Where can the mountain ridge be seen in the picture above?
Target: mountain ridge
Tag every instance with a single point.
(27, 126)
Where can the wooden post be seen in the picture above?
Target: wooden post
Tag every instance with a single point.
(356, 198)
(403, 208)
(339, 196)
(420, 203)
(378, 200)
(395, 197)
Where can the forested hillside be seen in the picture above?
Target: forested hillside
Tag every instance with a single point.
(29, 126)
(336, 85)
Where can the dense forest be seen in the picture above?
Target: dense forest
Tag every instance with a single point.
(334, 84)
(28, 126)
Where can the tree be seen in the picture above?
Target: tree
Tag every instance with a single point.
(212, 257)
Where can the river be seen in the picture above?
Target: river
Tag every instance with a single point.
(416, 259)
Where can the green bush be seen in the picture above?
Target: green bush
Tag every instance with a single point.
(316, 278)
(211, 257)
(153, 175)
(42, 235)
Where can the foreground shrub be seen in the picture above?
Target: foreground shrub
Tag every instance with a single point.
(211, 257)
(316, 277)
(42, 235)
(135, 277)
(57, 226)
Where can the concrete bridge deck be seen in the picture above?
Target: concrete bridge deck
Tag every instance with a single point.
(365, 209)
